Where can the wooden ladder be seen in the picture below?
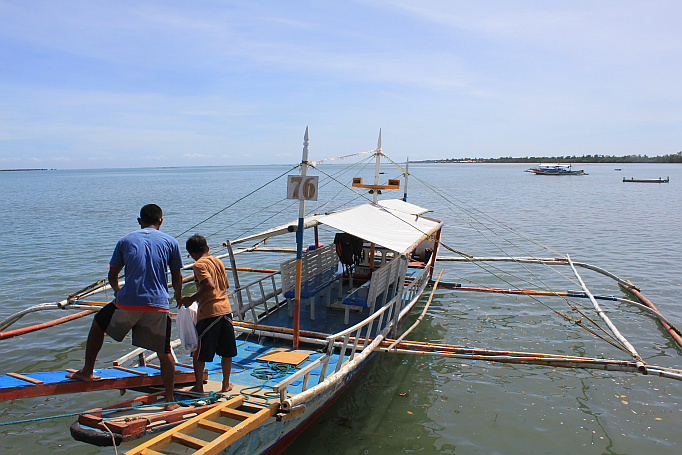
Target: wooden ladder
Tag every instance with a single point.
(227, 434)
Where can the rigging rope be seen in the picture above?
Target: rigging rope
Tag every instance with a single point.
(238, 200)
(568, 318)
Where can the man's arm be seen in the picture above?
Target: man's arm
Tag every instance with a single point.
(113, 279)
(204, 289)
(176, 282)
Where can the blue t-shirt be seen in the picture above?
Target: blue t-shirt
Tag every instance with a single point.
(146, 255)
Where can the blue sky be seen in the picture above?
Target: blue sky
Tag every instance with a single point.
(88, 84)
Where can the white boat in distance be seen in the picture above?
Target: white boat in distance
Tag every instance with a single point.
(555, 169)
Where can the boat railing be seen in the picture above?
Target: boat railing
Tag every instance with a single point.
(304, 372)
(353, 347)
(255, 302)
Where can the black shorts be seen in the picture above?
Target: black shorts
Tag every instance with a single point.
(219, 339)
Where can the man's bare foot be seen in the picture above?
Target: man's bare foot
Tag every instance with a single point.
(171, 407)
(197, 389)
(228, 388)
(81, 376)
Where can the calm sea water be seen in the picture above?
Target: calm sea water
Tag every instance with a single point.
(59, 227)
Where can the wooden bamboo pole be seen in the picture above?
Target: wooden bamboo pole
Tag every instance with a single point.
(235, 277)
(434, 253)
(581, 295)
(44, 325)
(667, 326)
(546, 361)
(468, 353)
(530, 260)
(601, 314)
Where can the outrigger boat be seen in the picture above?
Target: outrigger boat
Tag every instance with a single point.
(555, 169)
(308, 326)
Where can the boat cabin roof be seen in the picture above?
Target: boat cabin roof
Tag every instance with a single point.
(393, 224)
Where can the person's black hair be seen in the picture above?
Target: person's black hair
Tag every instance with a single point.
(196, 244)
(151, 214)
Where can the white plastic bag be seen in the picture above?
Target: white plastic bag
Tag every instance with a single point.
(187, 327)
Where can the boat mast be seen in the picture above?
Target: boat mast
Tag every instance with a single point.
(376, 169)
(407, 172)
(299, 245)
(376, 199)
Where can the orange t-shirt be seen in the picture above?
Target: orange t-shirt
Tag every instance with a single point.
(217, 303)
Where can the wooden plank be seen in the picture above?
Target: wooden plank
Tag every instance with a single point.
(188, 441)
(150, 452)
(156, 367)
(235, 414)
(288, 357)
(162, 440)
(223, 441)
(214, 426)
(24, 378)
(94, 378)
(129, 370)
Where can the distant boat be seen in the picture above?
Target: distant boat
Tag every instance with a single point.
(658, 180)
(617, 169)
(555, 169)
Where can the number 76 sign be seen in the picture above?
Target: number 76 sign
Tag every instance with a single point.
(299, 187)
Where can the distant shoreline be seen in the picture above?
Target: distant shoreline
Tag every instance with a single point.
(595, 159)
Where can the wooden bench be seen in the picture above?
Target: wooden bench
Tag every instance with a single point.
(384, 281)
(320, 269)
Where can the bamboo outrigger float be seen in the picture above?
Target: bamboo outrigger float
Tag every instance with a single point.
(307, 326)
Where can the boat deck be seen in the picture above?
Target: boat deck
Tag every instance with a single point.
(248, 371)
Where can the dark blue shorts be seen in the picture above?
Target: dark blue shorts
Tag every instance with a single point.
(218, 339)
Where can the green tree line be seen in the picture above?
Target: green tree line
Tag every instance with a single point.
(671, 158)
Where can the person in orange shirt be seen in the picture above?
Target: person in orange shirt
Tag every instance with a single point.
(214, 317)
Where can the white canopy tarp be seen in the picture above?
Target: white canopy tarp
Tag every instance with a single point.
(390, 228)
(397, 227)
(402, 206)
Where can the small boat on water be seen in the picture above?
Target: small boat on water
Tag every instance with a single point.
(658, 180)
(555, 169)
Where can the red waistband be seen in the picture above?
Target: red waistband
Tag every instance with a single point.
(141, 308)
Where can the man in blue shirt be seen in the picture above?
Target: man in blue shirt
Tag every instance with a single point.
(141, 304)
